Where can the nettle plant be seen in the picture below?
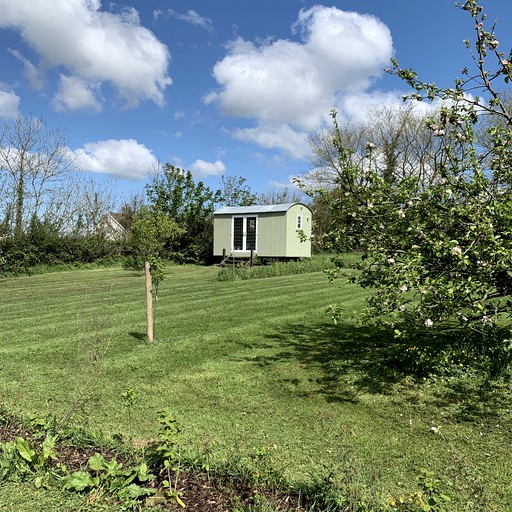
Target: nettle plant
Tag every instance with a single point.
(439, 247)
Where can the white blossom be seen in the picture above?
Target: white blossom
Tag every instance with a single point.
(428, 322)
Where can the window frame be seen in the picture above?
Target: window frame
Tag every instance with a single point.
(244, 233)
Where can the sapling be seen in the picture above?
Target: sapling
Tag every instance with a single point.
(150, 232)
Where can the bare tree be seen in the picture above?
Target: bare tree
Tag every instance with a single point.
(281, 196)
(324, 158)
(32, 159)
(394, 140)
(405, 146)
(79, 202)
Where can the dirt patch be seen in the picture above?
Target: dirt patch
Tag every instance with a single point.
(199, 492)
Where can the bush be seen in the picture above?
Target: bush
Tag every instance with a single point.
(42, 247)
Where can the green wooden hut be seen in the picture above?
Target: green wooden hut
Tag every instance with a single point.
(270, 231)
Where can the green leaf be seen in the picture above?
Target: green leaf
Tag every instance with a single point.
(38, 482)
(24, 449)
(80, 480)
(48, 448)
(96, 462)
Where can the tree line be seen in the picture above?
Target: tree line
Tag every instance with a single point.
(52, 213)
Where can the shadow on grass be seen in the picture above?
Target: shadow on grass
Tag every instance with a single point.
(352, 359)
(140, 336)
(357, 360)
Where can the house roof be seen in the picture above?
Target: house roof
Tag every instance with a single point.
(116, 218)
(268, 208)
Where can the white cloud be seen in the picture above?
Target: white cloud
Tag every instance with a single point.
(9, 103)
(354, 107)
(76, 94)
(124, 158)
(288, 88)
(92, 45)
(31, 73)
(282, 137)
(191, 17)
(202, 169)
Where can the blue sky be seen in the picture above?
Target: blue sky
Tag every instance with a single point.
(218, 87)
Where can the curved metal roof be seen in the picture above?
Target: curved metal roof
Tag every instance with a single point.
(268, 208)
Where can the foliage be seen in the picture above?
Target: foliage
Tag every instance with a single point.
(190, 204)
(440, 250)
(149, 233)
(394, 141)
(235, 192)
(129, 212)
(429, 499)
(43, 245)
(28, 459)
(151, 230)
(165, 454)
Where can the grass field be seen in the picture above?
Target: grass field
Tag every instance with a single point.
(251, 367)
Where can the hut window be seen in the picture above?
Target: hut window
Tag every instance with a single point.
(238, 233)
(299, 221)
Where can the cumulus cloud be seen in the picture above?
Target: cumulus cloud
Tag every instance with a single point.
(282, 137)
(202, 169)
(73, 93)
(124, 158)
(289, 87)
(354, 107)
(93, 46)
(9, 103)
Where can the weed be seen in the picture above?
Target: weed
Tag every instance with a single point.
(166, 456)
(430, 497)
(91, 353)
(129, 398)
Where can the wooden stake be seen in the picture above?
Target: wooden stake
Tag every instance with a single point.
(149, 301)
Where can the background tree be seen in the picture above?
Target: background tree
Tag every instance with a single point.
(32, 158)
(394, 142)
(235, 192)
(441, 250)
(48, 210)
(281, 196)
(130, 210)
(150, 231)
(79, 202)
(174, 192)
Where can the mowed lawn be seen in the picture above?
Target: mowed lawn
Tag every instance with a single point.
(245, 366)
